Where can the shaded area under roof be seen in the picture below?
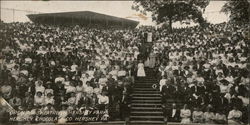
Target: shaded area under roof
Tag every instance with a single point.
(82, 18)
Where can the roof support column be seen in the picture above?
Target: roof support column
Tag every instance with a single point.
(122, 24)
(107, 22)
(89, 20)
(54, 20)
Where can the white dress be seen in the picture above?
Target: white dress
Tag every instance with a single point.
(79, 90)
(185, 114)
(141, 71)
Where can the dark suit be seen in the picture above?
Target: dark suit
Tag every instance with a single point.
(173, 117)
(184, 92)
(237, 102)
(195, 102)
(199, 90)
(242, 90)
(167, 91)
(220, 103)
(84, 101)
(117, 92)
(213, 88)
(208, 100)
(179, 72)
(206, 74)
(124, 106)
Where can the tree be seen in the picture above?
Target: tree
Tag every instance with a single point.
(238, 10)
(169, 11)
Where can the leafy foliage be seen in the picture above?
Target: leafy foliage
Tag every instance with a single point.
(238, 10)
(173, 10)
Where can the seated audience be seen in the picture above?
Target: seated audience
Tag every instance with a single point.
(44, 66)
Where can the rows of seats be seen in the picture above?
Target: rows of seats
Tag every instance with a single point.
(203, 74)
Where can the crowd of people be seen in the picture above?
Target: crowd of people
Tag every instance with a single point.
(208, 69)
(52, 68)
(49, 68)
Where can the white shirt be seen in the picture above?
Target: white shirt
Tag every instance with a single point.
(49, 100)
(234, 114)
(103, 99)
(73, 68)
(122, 73)
(70, 89)
(89, 90)
(59, 79)
(224, 88)
(173, 113)
(28, 60)
(40, 89)
(103, 81)
(162, 82)
(38, 100)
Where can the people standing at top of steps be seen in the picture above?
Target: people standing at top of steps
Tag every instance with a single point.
(140, 69)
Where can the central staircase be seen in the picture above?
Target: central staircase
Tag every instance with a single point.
(146, 105)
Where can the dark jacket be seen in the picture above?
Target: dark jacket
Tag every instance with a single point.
(175, 117)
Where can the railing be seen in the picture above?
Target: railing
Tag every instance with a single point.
(5, 105)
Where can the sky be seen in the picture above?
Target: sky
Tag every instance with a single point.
(115, 8)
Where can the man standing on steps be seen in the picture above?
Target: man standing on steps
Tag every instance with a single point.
(143, 52)
(167, 91)
(146, 45)
(125, 106)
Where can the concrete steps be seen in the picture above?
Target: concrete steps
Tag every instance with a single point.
(146, 101)
(143, 122)
(146, 113)
(146, 95)
(146, 98)
(146, 92)
(144, 89)
(146, 104)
